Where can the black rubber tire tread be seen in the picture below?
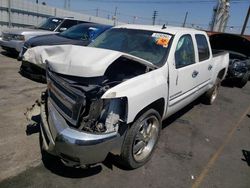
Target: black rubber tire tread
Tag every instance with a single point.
(127, 159)
(208, 95)
(242, 82)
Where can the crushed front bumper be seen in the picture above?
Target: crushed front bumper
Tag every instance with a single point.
(11, 45)
(74, 147)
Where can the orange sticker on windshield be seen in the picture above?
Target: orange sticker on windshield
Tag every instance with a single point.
(161, 39)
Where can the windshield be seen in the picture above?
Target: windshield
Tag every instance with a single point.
(149, 45)
(80, 32)
(50, 24)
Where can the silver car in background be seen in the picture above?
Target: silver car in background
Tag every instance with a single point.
(13, 39)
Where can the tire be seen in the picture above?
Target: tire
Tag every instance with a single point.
(141, 140)
(210, 96)
(243, 81)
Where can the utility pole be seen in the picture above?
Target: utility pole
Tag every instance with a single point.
(185, 19)
(115, 16)
(97, 11)
(245, 23)
(67, 4)
(9, 13)
(155, 14)
(134, 18)
(220, 16)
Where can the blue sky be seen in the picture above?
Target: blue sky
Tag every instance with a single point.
(199, 14)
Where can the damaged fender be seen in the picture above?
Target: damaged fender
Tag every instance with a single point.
(152, 86)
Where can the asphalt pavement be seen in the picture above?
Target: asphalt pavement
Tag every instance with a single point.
(200, 146)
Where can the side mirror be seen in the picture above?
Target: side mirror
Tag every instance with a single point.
(62, 29)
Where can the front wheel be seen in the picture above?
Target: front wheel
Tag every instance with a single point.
(210, 96)
(141, 139)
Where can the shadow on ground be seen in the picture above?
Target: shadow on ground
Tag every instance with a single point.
(180, 113)
(55, 165)
(34, 125)
(11, 54)
(229, 83)
(246, 155)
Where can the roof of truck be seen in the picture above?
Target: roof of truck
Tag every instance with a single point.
(159, 28)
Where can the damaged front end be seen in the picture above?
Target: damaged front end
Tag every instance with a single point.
(77, 124)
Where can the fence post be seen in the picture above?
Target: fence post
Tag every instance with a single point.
(9, 13)
(55, 12)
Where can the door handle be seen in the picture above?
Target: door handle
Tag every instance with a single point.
(195, 73)
(210, 67)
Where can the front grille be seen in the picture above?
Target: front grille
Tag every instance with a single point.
(7, 36)
(67, 100)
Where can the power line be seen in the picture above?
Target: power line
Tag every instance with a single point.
(148, 19)
(166, 2)
(155, 14)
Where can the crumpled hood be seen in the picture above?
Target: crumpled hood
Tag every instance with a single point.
(76, 60)
(55, 39)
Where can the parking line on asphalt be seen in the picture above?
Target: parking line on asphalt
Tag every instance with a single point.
(218, 152)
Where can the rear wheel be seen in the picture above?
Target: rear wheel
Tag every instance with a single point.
(210, 96)
(141, 139)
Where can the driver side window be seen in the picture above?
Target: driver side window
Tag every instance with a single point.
(184, 53)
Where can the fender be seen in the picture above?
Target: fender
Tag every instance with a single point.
(141, 91)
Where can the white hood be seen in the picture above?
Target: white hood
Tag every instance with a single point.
(76, 60)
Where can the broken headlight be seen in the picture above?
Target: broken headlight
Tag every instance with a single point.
(105, 116)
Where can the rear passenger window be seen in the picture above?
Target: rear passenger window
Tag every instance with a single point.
(203, 48)
(68, 23)
(184, 53)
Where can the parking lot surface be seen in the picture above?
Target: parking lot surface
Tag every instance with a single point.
(200, 146)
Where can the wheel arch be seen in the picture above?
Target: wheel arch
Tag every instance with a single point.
(157, 105)
(221, 74)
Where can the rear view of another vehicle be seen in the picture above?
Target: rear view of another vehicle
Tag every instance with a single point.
(239, 69)
(239, 54)
(81, 35)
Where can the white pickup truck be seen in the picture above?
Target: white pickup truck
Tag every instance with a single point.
(111, 97)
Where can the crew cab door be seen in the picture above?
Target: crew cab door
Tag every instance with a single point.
(204, 61)
(183, 73)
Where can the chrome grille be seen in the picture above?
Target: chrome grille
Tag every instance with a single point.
(7, 36)
(66, 99)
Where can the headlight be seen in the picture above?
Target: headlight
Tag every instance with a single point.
(18, 37)
(105, 116)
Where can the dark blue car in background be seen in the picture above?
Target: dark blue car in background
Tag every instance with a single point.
(81, 34)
